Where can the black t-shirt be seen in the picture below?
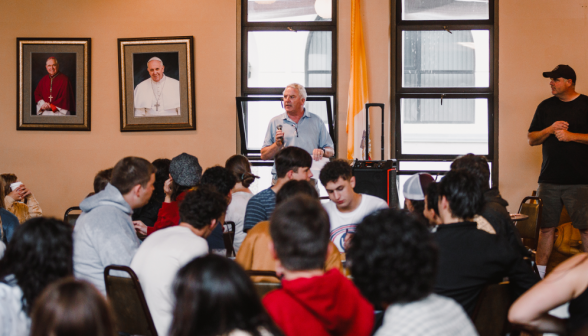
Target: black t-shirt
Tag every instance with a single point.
(563, 162)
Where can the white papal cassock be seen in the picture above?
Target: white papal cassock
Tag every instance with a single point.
(154, 99)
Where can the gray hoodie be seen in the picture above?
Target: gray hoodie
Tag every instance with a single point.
(103, 235)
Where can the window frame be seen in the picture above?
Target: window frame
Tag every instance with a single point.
(398, 92)
(441, 157)
(255, 154)
(283, 26)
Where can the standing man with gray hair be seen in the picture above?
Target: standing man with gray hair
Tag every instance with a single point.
(297, 127)
(159, 95)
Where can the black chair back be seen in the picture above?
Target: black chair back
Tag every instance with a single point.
(71, 218)
(529, 228)
(490, 315)
(263, 288)
(229, 238)
(128, 302)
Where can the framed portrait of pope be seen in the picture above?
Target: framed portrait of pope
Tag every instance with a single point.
(53, 87)
(156, 78)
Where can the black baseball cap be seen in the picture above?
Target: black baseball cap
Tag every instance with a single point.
(563, 71)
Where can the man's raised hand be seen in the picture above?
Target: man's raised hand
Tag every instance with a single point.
(560, 126)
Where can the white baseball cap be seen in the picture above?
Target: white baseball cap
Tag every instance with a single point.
(416, 186)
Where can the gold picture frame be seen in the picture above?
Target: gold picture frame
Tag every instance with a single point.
(138, 90)
(37, 108)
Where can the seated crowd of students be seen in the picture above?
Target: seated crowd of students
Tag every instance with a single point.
(417, 271)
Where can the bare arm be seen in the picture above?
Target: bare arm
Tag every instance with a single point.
(268, 152)
(566, 136)
(538, 137)
(560, 286)
(329, 152)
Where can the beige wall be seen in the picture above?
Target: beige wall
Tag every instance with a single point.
(376, 32)
(59, 166)
(535, 36)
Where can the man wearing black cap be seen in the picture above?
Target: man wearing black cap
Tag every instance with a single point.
(560, 124)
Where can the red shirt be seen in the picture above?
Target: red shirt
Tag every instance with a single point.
(324, 305)
(168, 215)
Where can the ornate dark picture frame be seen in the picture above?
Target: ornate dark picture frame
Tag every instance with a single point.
(57, 100)
(140, 95)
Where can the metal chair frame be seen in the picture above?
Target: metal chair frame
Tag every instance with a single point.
(539, 214)
(66, 215)
(263, 288)
(486, 304)
(229, 237)
(138, 291)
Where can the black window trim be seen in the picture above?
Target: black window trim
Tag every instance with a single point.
(397, 92)
(331, 26)
(436, 157)
(255, 154)
(489, 21)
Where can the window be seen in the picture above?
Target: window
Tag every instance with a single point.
(444, 89)
(283, 42)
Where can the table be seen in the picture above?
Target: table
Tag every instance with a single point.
(518, 217)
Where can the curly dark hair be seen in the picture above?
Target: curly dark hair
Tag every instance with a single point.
(463, 192)
(203, 205)
(334, 170)
(39, 253)
(475, 164)
(220, 178)
(214, 296)
(393, 257)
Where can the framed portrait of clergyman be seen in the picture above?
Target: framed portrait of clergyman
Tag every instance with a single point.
(53, 84)
(156, 78)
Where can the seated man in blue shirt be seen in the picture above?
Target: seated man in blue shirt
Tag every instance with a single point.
(297, 127)
(292, 163)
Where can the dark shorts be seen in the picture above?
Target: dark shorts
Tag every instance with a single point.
(573, 196)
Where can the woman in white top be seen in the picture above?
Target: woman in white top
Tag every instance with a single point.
(240, 167)
(39, 253)
(214, 296)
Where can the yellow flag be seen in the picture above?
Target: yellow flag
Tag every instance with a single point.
(358, 86)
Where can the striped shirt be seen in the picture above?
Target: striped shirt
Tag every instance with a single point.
(259, 208)
(432, 316)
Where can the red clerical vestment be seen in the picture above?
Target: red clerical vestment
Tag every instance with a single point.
(56, 91)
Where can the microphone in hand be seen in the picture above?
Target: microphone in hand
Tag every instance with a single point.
(280, 139)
